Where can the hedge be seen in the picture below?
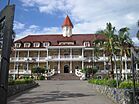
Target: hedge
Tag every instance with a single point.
(20, 81)
(112, 83)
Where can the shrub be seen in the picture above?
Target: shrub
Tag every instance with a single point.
(26, 76)
(127, 84)
(111, 83)
(20, 81)
(42, 77)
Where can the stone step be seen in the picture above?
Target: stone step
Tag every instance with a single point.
(64, 76)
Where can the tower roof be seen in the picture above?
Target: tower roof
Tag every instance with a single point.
(67, 22)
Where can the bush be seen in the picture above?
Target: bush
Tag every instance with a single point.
(98, 81)
(26, 77)
(20, 81)
(127, 84)
(111, 83)
(42, 77)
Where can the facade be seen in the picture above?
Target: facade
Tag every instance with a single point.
(62, 53)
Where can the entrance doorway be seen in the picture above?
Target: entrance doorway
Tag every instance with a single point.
(66, 69)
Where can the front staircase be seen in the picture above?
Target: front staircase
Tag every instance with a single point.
(64, 76)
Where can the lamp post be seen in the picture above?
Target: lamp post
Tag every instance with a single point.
(133, 76)
(6, 15)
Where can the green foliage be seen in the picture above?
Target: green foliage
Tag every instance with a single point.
(42, 77)
(26, 77)
(85, 70)
(95, 69)
(20, 81)
(38, 70)
(110, 83)
(127, 84)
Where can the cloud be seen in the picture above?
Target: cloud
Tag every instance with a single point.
(135, 40)
(35, 30)
(88, 16)
(18, 25)
(123, 13)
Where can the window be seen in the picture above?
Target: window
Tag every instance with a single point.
(26, 44)
(46, 44)
(36, 44)
(66, 43)
(87, 44)
(17, 45)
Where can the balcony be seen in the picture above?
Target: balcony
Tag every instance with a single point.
(64, 58)
(49, 58)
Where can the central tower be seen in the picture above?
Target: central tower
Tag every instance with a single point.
(67, 27)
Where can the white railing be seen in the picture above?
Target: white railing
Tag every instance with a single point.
(79, 74)
(20, 71)
(65, 57)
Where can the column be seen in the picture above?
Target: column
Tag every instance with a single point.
(58, 66)
(59, 53)
(47, 58)
(93, 56)
(70, 53)
(125, 67)
(70, 61)
(17, 64)
(104, 62)
(28, 60)
(83, 58)
(38, 57)
(14, 64)
(70, 66)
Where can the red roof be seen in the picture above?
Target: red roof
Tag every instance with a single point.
(54, 39)
(67, 22)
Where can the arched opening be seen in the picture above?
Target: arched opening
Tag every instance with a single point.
(66, 69)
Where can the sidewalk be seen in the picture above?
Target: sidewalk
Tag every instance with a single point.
(61, 92)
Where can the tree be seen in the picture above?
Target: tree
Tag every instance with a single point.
(109, 45)
(38, 70)
(124, 43)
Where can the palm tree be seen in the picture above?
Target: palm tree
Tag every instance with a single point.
(124, 42)
(109, 43)
(109, 32)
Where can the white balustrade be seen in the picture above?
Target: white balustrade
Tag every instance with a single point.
(20, 71)
(79, 74)
(50, 73)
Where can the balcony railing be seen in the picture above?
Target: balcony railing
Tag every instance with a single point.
(65, 57)
(19, 71)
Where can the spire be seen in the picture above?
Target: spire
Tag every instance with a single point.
(67, 22)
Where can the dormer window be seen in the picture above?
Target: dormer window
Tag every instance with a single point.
(17, 45)
(46, 44)
(37, 44)
(87, 44)
(66, 43)
(26, 44)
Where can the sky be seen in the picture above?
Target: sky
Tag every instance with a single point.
(87, 16)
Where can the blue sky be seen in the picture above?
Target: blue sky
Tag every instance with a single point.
(87, 16)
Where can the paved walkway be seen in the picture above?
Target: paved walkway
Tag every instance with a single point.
(60, 92)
